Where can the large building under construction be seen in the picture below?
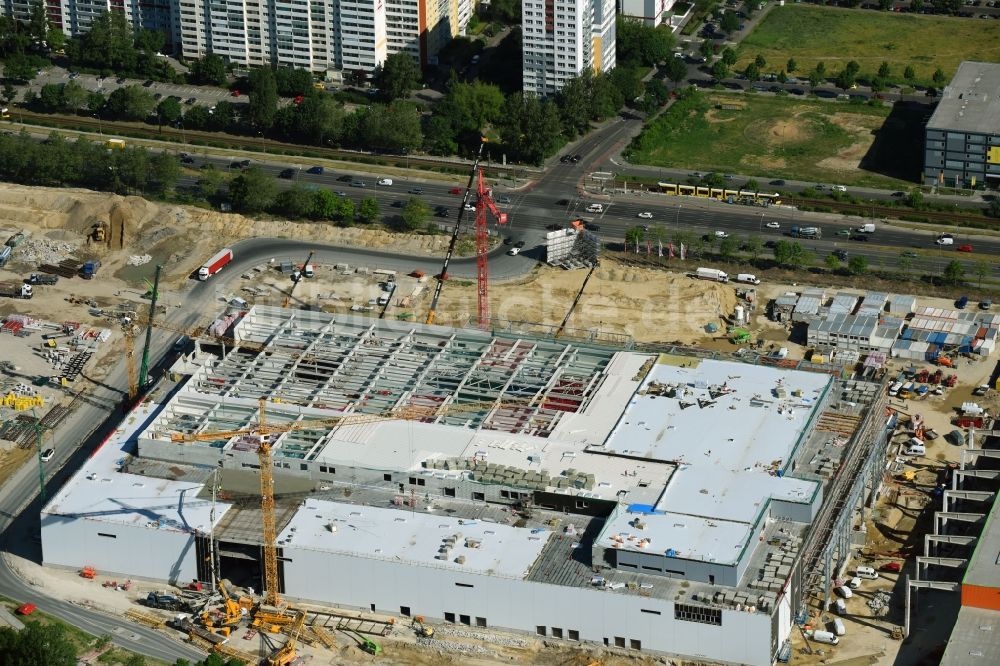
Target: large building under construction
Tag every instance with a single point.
(658, 500)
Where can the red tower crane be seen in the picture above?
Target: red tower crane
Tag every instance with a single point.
(484, 202)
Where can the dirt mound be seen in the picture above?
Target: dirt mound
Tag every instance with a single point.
(779, 132)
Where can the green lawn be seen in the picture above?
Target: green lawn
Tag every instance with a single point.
(836, 36)
(788, 137)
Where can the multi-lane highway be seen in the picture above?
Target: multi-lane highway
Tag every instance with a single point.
(555, 198)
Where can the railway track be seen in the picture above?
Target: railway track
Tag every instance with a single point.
(238, 142)
(895, 211)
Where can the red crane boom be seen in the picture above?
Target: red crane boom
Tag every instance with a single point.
(484, 202)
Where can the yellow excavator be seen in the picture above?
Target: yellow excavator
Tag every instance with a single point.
(285, 655)
(423, 631)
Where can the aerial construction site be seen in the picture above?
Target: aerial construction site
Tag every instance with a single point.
(343, 459)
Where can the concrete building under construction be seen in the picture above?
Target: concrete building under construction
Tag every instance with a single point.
(654, 500)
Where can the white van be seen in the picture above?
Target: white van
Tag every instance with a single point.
(748, 278)
(844, 591)
(838, 626)
(945, 240)
(894, 389)
(866, 572)
(840, 606)
(915, 447)
(854, 583)
(825, 637)
(595, 208)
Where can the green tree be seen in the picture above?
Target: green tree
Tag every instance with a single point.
(832, 262)
(752, 185)
(210, 70)
(74, 97)
(131, 168)
(135, 660)
(884, 71)
(815, 79)
(789, 253)
(95, 102)
(37, 645)
(754, 246)
(18, 69)
(345, 211)
(169, 110)
(885, 5)
(782, 77)
(292, 81)
(728, 247)
(752, 72)
(676, 70)
(720, 70)
(820, 68)
(414, 214)
(909, 74)
(639, 44)
(38, 23)
(981, 269)
(368, 209)
(50, 97)
(993, 209)
(253, 191)
(916, 5)
(728, 56)
(263, 99)
(321, 120)
(56, 39)
(853, 67)
(706, 49)
(210, 182)
(165, 171)
(915, 199)
(760, 61)
(324, 205)
(845, 80)
(953, 272)
(858, 264)
(878, 84)
(633, 236)
(295, 202)
(730, 23)
(131, 102)
(398, 75)
(9, 94)
(657, 92)
(938, 77)
(792, 65)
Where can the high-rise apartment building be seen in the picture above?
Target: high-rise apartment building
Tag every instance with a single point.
(318, 35)
(562, 39)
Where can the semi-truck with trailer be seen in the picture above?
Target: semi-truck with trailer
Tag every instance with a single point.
(42, 278)
(806, 232)
(16, 290)
(713, 274)
(215, 264)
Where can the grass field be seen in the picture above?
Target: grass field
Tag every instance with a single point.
(795, 138)
(836, 36)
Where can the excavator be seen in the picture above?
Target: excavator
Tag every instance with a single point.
(365, 643)
(423, 631)
(285, 655)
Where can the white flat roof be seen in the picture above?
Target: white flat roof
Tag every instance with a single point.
(417, 538)
(728, 449)
(98, 491)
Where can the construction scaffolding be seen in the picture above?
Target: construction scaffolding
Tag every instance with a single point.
(572, 248)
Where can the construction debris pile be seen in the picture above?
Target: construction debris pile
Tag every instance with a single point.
(43, 251)
(139, 259)
(879, 603)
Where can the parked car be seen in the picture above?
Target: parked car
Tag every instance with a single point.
(47, 454)
(514, 251)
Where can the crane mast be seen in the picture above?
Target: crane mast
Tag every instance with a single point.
(484, 204)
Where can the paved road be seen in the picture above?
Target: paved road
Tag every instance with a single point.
(555, 198)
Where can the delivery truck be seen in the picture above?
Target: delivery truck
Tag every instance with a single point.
(42, 278)
(16, 290)
(867, 228)
(747, 278)
(713, 274)
(215, 264)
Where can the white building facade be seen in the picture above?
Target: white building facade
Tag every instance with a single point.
(562, 39)
(650, 12)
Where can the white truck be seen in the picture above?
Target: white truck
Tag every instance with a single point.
(16, 290)
(713, 274)
(867, 228)
(747, 278)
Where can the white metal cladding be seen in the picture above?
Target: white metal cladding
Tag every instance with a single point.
(138, 551)
(523, 605)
